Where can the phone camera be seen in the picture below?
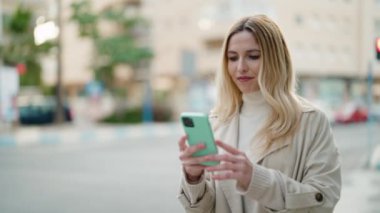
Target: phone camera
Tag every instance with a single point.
(188, 122)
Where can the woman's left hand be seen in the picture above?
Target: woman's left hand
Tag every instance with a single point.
(234, 164)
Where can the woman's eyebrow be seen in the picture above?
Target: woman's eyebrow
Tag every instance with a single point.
(254, 50)
(248, 51)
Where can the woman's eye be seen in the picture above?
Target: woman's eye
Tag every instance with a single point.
(232, 58)
(254, 57)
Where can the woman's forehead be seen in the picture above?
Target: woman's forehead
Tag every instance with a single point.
(243, 40)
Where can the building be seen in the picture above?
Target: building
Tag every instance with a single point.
(331, 43)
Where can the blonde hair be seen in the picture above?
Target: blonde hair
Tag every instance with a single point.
(276, 80)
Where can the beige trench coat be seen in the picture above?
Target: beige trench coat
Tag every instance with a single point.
(300, 175)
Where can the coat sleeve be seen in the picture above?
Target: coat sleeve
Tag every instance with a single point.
(319, 189)
(197, 198)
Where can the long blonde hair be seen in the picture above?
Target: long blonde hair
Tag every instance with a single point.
(276, 80)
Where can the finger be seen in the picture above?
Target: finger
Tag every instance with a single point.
(225, 158)
(225, 176)
(224, 167)
(194, 167)
(189, 151)
(228, 148)
(192, 163)
(194, 160)
(182, 143)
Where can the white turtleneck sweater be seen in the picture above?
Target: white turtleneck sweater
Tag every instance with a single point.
(252, 116)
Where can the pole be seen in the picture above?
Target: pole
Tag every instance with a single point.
(1, 62)
(1, 21)
(147, 105)
(59, 117)
(370, 120)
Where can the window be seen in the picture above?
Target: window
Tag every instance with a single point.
(188, 62)
(377, 27)
(298, 19)
(315, 22)
(331, 23)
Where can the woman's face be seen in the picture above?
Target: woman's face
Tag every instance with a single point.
(243, 61)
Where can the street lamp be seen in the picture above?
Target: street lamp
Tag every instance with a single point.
(59, 117)
(1, 21)
(1, 59)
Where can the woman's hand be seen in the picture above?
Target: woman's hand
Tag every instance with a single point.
(191, 165)
(234, 164)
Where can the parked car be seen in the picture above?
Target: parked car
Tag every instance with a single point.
(38, 109)
(352, 112)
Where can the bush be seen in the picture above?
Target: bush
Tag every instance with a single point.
(135, 115)
(162, 114)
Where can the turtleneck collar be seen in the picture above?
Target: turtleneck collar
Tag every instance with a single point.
(254, 103)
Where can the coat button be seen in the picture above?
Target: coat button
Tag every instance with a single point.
(319, 197)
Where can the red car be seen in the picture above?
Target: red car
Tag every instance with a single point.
(352, 113)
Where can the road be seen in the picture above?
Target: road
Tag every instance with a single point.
(139, 175)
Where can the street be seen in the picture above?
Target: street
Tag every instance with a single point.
(142, 175)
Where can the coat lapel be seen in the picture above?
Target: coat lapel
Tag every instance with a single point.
(228, 134)
(276, 146)
(262, 154)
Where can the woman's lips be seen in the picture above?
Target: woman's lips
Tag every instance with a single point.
(244, 78)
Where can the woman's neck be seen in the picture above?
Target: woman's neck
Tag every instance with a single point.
(253, 103)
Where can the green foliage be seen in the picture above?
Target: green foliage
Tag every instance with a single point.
(33, 76)
(135, 115)
(18, 45)
(86, 19)
(129, 116)
(121, 47)
(20, 21)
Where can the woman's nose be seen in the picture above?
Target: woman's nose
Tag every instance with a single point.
(242, 66)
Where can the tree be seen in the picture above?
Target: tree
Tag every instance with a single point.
(18, 46)
(120, 48)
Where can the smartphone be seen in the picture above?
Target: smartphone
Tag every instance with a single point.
(198, 130)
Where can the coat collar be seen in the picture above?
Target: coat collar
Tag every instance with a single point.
(228, 134)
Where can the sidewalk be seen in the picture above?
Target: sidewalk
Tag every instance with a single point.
(34, 135)
(360, 192)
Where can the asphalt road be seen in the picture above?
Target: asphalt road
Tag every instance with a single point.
(139, 175)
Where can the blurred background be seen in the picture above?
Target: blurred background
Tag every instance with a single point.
(91, 92)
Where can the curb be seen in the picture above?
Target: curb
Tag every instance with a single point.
(28, 136)
(7, 140)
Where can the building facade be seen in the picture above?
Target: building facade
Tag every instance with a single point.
(331, 43)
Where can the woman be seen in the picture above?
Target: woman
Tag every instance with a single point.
(276, 151)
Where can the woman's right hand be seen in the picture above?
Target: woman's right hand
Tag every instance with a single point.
(191, 165)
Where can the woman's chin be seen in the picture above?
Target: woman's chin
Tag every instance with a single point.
(248, 90)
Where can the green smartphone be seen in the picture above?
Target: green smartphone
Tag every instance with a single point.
(198, 130)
